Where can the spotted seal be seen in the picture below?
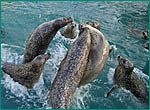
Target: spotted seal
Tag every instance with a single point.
(70, 72)
(41, 37)
(140, 33)
(70, 31)
(29, 73)
(98, 55)
(94, 24)
(126, 78)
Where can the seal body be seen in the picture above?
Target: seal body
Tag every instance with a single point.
(40, 39)
(70, 31)
(140, 33)
(29, 73)
(94, 24)
(125, 77)
(70, 72)
(98, 55)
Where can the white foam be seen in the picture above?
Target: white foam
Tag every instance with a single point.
(79, 96)
(15, 88)
(143, 77)
(39, 94)
(110, 75)
(14, 46)
(7, 54)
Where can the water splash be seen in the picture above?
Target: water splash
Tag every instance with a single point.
(38, 96)
(80, 96)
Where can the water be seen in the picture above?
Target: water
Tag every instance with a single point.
(117, 19)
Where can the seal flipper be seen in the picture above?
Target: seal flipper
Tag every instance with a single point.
(111, 49)
(111, 90)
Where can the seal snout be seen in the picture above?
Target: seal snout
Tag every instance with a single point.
(119, 58)
(47, 56)
(69, 19)
(80, 26)
(73, 25)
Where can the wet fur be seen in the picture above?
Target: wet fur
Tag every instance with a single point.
(97, 57)
(130, 81)
(70, 72)
(40, 39)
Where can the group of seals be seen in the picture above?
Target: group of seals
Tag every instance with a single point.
(144, 35)
(34, 59)
(125, 77)
(83, 63)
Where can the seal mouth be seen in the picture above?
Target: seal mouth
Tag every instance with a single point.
(62, 22)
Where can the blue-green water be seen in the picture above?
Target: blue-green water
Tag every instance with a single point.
(117, 19)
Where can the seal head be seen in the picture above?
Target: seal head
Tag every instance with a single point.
(126, 64)
(146, 35)
(27, 74)
(70, 31)
(94, 24)
(146, 45)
